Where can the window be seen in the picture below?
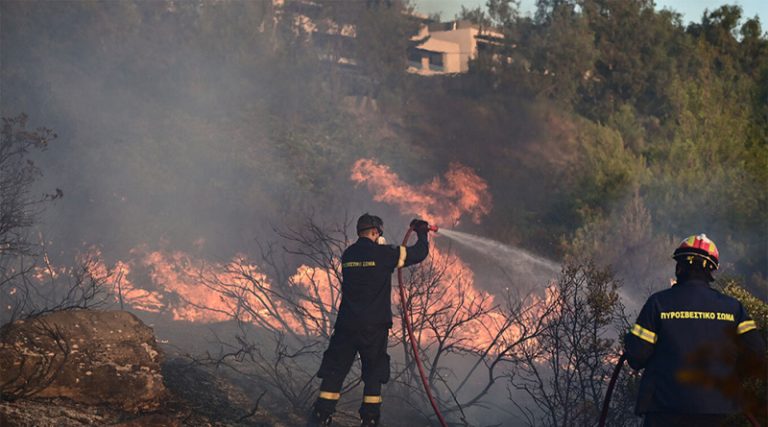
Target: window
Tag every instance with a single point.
(414, 58)
(436, 61)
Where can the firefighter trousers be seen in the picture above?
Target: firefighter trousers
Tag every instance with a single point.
(371, 345)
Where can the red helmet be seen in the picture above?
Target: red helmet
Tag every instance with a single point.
(699, 246)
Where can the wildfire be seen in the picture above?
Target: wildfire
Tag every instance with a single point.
(445, 304)
(444, 299)
(194, 290)
(443, 201)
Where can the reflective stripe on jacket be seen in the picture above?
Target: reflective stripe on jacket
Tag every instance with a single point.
(687, 339)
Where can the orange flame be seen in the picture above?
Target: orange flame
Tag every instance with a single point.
(442, 295)
(452, 302)
(191, 289)
(441, 201)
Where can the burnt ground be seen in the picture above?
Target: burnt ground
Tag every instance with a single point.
(197, 398)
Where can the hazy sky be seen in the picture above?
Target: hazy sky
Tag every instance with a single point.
(691, 9)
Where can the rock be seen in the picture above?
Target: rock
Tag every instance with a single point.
(54, 413)
(153, 420)
(92, 357)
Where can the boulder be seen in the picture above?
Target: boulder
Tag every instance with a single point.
(153, 420)
(92, 357)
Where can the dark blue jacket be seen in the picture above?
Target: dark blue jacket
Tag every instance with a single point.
(688, 339)
(366, 287)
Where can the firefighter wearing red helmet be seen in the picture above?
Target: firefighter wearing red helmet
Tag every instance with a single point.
(689, 339)
(365, 316)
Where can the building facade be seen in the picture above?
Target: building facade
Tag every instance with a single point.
(448, 47)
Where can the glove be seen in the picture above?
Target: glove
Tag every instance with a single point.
(420, 226)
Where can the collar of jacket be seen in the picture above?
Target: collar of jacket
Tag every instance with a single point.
(694, 282)
(365, 241)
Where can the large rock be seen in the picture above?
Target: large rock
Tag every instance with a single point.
(93, 357)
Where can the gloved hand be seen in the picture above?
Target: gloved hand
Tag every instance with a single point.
(420, 226)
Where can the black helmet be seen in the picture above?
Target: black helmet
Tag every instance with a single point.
(368, 221)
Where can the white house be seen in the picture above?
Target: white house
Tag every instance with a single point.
(449, 48)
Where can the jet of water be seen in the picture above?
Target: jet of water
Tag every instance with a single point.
(516, 261)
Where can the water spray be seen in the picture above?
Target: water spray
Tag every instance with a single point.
(409, 328)
(504, 254)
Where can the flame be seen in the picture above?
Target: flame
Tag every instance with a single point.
(443, 297)
(195, 290)
(441, 292)
(445, 303)
(191, 289)
(176, 273)
(321, 294)
(478, 322)
(442, 201)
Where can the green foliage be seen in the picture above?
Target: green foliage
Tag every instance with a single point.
(625, 240)
(756, 388)
(676, 115)
(757, 308)
(606, 169)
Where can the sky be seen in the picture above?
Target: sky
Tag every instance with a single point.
(691, 10)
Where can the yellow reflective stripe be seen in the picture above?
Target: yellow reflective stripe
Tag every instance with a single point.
(746, 326)
(329, 395)
(644, 334)
(359, 264)
(401, 261)
(371, 399)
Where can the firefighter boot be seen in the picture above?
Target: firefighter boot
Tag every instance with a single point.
(369, 421)
(319, 419)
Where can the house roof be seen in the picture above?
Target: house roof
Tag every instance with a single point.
(435, 45)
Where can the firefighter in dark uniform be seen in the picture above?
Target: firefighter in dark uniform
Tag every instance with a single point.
(690, 339)
(364, 318)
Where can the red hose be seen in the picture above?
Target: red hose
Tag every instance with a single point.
(752, 419)
(415, 349)
(609, 391)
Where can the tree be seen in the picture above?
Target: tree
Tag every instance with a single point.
(565, 370)
(18, 172)
(285, 318)
(24, 264)
(755, 386)
(456, 321)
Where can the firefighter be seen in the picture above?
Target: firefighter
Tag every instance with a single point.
(364, 317)
(691, 340)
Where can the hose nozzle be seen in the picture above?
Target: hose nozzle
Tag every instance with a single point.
(433, 228)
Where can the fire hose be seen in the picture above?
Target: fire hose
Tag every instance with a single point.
(612, 383)
(409, 328)
(609, 391)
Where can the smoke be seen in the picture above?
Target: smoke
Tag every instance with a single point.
(177, 121)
